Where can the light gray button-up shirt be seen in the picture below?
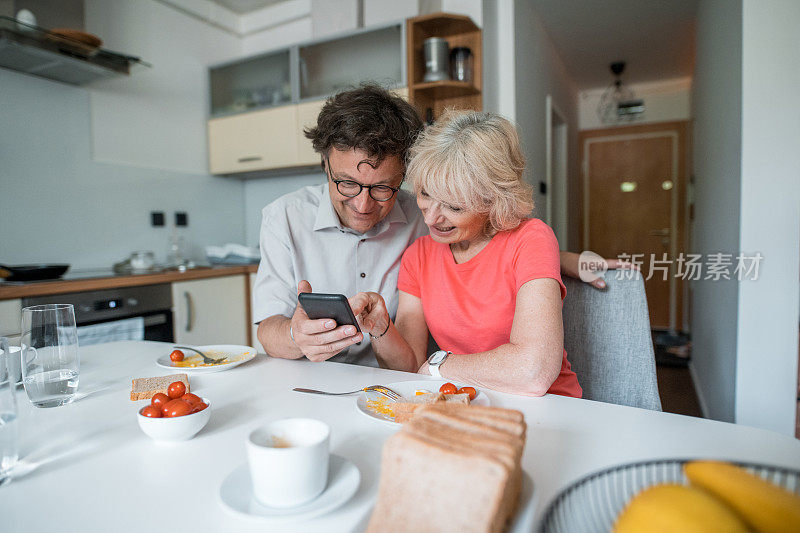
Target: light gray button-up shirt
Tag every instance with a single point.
(302, 238)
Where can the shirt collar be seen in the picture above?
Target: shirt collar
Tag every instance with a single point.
(327, 217)
(326, 214)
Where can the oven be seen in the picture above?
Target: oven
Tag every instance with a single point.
(124, 313)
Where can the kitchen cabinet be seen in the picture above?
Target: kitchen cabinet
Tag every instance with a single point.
(329, 66)
(211, 311)
(260, 104)
(432, 98)
(252, 83)
(266, 139)
(10, 317)
(307, 116)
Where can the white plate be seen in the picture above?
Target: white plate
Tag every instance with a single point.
(236, 356)
(407, 389)
(236, 494)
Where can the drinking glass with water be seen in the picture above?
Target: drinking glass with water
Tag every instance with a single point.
(50, 351)
(8, 415)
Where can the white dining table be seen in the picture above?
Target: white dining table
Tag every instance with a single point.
(87, 466)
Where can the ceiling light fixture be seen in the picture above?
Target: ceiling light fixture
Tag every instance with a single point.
(618, 103)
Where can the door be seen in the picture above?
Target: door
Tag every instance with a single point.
(633, 206)
(211, 311)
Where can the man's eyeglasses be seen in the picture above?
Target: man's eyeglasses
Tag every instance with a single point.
(351, 189)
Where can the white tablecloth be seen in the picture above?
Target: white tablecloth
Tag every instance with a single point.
(88, 467)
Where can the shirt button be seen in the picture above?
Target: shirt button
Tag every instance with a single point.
(363, 275)
(363, 240)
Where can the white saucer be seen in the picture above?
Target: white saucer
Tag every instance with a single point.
(236, 494)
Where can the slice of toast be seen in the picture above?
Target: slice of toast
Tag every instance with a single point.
(462, 398)
(497, 448)
(146, 388)
(404, 410)
(502, 419)
(437, 486)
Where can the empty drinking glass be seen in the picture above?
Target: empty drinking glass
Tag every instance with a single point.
(50, 349)
(8, 416)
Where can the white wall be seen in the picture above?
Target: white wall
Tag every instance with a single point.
(156, 117)
(664, 101)
(499, 87)
(766, 369)
(747, 199)
(539, 72)
(59, 206)
(717, 134)
(471, 8)
(61, 202)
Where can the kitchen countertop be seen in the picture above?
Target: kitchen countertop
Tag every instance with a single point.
(88, 467)
(87, 281)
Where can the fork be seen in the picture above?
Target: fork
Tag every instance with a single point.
(380, 389)
(206, 359)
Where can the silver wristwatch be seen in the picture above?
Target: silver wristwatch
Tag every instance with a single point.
(435, 360)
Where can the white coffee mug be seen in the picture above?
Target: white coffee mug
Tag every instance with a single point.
(288, 461)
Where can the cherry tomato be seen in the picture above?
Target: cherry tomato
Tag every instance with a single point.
(176, 389)
(199, 407)
(176, 408)
(176, 356)
(159, 399)
(191, 399)
(448, 388)
(150, 411)
(468, 390)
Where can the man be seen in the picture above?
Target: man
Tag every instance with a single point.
(344, 236)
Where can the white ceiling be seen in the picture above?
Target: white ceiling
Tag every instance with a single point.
(654, 37)
(242, 7)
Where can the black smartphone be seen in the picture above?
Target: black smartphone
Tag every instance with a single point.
(335, 306)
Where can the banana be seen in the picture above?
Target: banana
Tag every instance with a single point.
(765, 507)
(670, 508)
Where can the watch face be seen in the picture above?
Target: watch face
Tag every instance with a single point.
(437, 357)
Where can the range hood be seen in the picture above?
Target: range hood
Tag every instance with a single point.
(33, 50)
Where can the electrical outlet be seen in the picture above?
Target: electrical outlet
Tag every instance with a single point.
(156, 218)
(181, 218)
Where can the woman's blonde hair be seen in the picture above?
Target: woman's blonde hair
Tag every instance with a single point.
(473, 161)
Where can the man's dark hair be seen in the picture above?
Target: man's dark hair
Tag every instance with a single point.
(368, 118)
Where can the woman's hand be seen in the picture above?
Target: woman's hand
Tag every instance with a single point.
(370, 311)
(570, 267)
(424, 369)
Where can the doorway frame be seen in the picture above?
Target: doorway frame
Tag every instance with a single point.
(561, 142)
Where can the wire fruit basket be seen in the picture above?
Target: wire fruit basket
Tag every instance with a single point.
(593, 503)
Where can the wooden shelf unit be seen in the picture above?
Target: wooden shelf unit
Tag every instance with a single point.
(458, 30)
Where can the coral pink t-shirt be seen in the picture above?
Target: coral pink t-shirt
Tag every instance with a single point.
(469, 307)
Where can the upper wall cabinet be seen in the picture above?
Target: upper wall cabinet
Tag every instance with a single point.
(260, 105)
(253, 83)
(253, 141)
(330, 66)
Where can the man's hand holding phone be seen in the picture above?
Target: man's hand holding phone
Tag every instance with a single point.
(321, 338)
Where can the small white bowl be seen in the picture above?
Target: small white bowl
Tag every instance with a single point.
(177, 428)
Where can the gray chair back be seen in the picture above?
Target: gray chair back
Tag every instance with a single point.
(608, 341)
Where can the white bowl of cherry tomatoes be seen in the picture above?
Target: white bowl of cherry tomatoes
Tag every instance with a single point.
(174, 416)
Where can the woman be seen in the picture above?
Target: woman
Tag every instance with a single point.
(485, 283)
